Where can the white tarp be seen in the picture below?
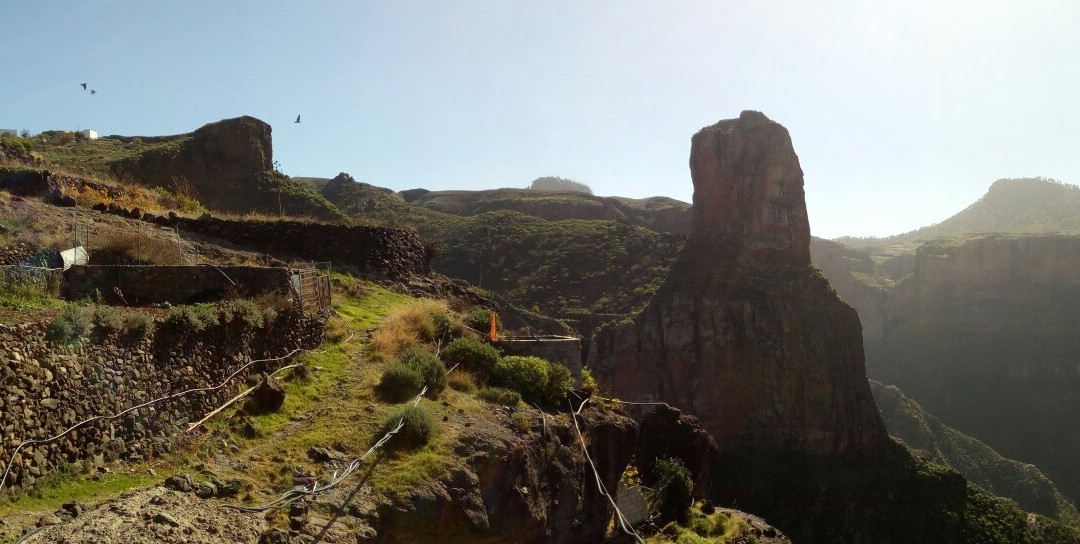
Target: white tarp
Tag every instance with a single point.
(632, 503)
(75, 255)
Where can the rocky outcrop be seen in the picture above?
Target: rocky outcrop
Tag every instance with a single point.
(227, 166)
(983, 337)
(744, 333)
(667, 432)
(528, 487)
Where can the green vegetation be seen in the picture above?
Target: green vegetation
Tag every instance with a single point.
(69, 327)
(536, 379)
(479, 319)
(399, 383)
(23, 295)
(138, 325)
(701, 528)
(417, 428)
(674, 488)
(428, 366)
(470, 354)
(106, 319)
(979, 463)
(499, 395)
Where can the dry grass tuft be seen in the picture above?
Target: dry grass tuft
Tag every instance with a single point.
(118, 247)
(409, 325)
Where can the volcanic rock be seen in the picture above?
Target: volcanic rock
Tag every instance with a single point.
(744, 333)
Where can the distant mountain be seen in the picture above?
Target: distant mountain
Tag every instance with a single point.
(553, 183)
(979, 463)
(661, 214)
(1023, 205)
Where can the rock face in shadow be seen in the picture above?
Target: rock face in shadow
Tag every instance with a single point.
(983, 336)
(744, 333)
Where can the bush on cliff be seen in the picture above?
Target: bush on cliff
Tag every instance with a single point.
(417, 429)
(69, 327)
(674, 488)
(472, 354)
(536, 379)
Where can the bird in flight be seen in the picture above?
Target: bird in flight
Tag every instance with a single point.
(83, 86)
(297, 119)
(92, 91)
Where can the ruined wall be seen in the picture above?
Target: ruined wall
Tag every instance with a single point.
(45, 388)
(145, 285)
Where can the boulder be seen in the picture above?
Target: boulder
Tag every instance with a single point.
(267, 397)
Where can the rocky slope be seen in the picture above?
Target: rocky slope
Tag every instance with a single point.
(979, 463)
(745, 334)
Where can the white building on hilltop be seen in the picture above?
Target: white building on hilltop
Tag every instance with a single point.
(90, 134)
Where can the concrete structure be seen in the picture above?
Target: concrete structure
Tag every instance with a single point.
(8, 132)
(565, 350)
(90, 134)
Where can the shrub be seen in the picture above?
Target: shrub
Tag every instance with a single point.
(67, 328)
(461, 381)
(559, 382)
(192, 318)
(242, 310)
(588, 382)
(107, 319)
(409, 325)
(479, 318)
(138, 325)
(471, 354)
(498, 395)
(524, 373)
(428, 366)
(674, 488)
(418, 427)
(520, 421)
(399, 383)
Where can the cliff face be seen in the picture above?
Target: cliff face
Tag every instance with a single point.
(744, 333)
(983, 335)
(228, 166)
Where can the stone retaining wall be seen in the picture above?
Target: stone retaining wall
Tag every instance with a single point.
(391, 252)
(145, 285)
(45, 388)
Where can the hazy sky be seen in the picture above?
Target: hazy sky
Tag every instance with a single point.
(902, 113)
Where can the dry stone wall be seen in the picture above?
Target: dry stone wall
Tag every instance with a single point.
(45, 388)
(145, 285)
